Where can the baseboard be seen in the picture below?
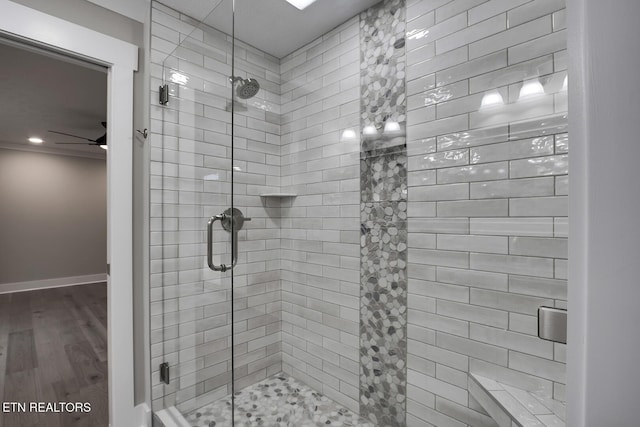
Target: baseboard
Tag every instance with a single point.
(59, 282)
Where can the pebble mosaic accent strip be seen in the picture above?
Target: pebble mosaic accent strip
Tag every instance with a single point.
(383, 207)
(382, 70)
(277, 401)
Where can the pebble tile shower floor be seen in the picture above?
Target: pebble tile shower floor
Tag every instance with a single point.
(278, 401)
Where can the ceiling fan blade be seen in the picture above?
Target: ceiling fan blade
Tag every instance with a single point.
(74, 136)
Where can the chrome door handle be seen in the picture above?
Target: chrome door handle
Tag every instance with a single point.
(232, 221)
(221, 267)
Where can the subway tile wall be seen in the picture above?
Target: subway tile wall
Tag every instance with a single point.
(487, 208)
(320, 233)
(190, 181)
(487, 200)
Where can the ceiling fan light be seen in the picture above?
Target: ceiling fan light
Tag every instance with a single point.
(36, 140)
(104, 147)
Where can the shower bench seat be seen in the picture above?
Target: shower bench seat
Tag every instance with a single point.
(511, 406)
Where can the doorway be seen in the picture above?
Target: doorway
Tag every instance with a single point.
(120, 58)
(54, 237)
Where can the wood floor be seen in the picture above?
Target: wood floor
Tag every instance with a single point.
(53, 348)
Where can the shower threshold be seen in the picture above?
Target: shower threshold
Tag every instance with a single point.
(280, 401)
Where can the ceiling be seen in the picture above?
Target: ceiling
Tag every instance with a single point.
(44, 92)
(273, 26)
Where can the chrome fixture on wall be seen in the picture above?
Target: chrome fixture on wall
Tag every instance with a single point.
(248, 88)
(552, 324)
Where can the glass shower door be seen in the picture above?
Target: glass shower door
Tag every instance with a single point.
(193, 226)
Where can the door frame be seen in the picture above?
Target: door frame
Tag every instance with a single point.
(121, 59)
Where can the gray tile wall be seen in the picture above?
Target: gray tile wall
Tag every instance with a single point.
(487, 201)
(190, 181)
(321, 226)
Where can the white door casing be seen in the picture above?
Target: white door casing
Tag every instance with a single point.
(121, 59)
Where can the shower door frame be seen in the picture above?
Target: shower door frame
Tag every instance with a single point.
(121, 59)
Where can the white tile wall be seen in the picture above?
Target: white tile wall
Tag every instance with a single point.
(487, 201)
(321, 227)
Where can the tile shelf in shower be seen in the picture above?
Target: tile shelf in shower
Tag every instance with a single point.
(514, 407)
(280, 195)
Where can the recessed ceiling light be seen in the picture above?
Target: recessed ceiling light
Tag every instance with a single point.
(36, 140)
(300, 4)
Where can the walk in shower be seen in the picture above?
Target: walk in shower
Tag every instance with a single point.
(357, 209)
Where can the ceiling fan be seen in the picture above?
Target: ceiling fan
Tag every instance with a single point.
(101, 141)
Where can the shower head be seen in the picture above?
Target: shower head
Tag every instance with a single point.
(247, 87)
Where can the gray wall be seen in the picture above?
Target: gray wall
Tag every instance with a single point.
(603, 374)
(91, 16)
(53, 216)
